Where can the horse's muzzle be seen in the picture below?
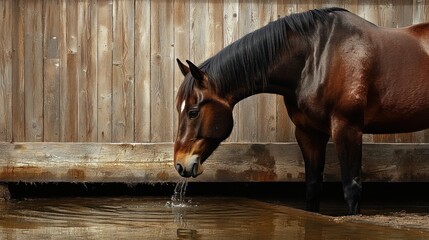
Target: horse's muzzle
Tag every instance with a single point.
(190, 168)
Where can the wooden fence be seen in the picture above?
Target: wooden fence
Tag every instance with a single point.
(104, 71)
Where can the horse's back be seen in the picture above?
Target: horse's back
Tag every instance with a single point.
(398, 100)
(421, 32)
(386, 70)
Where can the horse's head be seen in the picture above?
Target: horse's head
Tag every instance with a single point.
(205, 120)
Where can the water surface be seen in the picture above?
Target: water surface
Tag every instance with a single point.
(155, 218)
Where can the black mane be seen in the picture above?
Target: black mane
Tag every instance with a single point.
(249, 58)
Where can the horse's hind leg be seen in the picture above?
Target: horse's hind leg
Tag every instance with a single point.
(313, 148)
(348, 142)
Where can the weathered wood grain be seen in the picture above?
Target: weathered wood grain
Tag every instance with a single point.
(326, 4)
(142, 71)
(51, 71)
(69, 71)
(351, 5)
(117, 73)
(214, 42)
(33, 70)
(6, 71)
(162, 70)
(231, 162)
(18, 115)
(104, 70)
(123, 71)
(420, 11)
(87, 71)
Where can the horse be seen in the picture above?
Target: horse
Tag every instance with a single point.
(340, 76)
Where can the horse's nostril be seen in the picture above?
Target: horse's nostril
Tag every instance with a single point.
(179, 168)
(195, 170)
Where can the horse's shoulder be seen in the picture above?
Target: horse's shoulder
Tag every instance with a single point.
(421, 29)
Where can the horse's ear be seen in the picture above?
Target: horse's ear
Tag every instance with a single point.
(196, 72)
(183, 68)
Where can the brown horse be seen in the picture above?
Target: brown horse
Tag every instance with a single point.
(340, 75)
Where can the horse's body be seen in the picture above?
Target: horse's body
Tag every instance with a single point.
(340, 76)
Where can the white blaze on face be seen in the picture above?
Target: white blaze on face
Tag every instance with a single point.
(182, 107)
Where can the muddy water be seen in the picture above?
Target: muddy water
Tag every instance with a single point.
(155, 218)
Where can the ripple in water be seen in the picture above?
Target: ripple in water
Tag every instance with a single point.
(153, 218)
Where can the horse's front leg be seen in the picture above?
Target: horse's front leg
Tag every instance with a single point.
(313, 148)
(348, 142)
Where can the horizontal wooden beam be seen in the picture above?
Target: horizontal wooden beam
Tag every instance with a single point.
(231, 162)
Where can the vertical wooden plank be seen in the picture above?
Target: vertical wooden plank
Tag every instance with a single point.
(18, 98)
(69, 72)
(214, 42)
(162, 70)
(248, 21)
(286, 7)
(267, 110)
(6, 15)
(33, 71)
(104, 70)
(231, 10)
(304, 5)
(87, 71)
(405, 13)
(51, 71)
(142, 71)
(327, 4)
(420, 11)
(368, 9)
(206, 24)
(181, 46)
(199, 30)
(123, 71)
(387, 16)
(352, 5)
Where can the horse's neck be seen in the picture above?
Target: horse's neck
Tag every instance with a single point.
(282, 77)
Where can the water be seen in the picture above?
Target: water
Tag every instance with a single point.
(153, 218)
(178, 198)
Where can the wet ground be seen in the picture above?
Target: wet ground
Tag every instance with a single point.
(203, 218)
(209, 217)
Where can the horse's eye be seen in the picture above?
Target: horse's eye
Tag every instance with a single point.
(193, 113)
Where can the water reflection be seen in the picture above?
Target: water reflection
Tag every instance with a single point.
(150, 218)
